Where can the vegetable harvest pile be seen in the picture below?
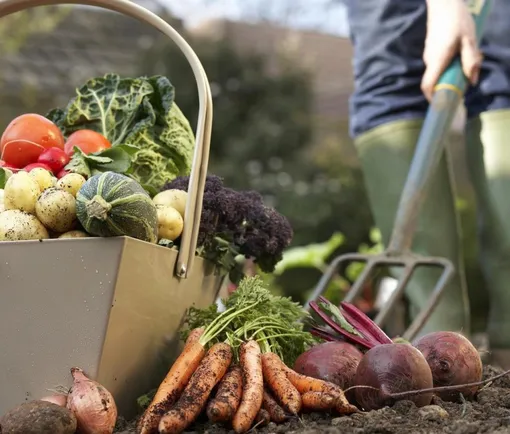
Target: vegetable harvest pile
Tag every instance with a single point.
(116, 162)
(235, 365)
(253, 363)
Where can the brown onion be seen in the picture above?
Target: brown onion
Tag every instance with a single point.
(56, 399)
(93, 405)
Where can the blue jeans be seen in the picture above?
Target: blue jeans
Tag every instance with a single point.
(388, 38)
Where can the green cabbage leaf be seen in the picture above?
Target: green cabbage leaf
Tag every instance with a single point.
(152, 141)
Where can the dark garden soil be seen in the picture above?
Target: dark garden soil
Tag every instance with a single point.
(488, 413)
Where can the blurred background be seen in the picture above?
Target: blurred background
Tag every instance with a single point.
(281, 77)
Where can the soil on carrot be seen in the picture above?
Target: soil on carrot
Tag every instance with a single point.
(489, 412)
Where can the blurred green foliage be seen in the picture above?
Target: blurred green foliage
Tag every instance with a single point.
(15, 29)
(264, 138)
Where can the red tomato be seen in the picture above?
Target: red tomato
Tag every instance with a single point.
(26, 137)
(55, 158)
(8, 166)
(37, 166)
(19, 153)
(34, 128)
(88, 141)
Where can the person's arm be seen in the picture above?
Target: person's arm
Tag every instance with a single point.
(450, 30)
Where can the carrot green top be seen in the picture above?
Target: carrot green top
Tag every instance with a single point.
(253, 312)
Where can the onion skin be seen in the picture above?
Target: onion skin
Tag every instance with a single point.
(392, 368)
(56, 399)
(453, 360)
(335, 362)
(93, 405)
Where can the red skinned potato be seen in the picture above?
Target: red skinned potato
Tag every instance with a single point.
(62, 173)
(453, 360)
(55, 158)
(33, 166)
(334, 361)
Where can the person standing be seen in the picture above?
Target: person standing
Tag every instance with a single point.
(400, 50)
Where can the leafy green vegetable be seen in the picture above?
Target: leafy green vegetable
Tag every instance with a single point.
(273, 321)
(151, 139)
(118, 159)
(3, 177)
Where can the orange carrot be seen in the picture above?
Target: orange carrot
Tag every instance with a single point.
(262, 418)
(226, 402)
(253, 387)
(305, 384)
(318, 401)
(194, 336)
(171, 387)
(269, 404)
(194, 397)
(343, 406)
(283, 389)
(174, 383)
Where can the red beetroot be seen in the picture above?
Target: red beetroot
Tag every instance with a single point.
(389, 369)
(335, 362)
(55, 158)
(453, 361)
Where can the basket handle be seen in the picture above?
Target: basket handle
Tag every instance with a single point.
(198, 174)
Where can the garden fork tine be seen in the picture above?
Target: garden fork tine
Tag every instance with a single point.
(447, 96)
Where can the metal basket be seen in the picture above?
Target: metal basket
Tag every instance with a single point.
(111, 306)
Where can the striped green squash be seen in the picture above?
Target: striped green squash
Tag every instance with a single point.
(111, 204)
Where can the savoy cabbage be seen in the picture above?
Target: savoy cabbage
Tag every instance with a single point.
(141, 118)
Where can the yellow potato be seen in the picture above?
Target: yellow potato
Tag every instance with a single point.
(174, 198)
(17, 225)
(42, 177)
(21, 192)
(56, 209)
(170, 223)
(74, 234)
(71, 183)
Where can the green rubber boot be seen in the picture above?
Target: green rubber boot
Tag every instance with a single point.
(488, 158)
(385, 153)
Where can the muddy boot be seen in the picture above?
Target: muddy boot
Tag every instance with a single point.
(488, 157)
(385, 154)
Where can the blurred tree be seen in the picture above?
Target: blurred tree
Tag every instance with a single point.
(15, 29)
(262, 139)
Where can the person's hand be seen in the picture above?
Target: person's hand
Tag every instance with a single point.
(450, 31)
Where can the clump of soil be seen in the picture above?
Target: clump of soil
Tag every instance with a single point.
(489, 412)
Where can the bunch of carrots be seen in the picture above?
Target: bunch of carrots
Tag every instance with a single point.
(257, 390)
(234, 370)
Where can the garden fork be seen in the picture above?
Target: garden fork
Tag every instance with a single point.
(447, 95)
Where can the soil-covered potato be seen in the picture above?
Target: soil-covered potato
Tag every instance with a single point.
(17, 225)
(38, 417)
(56, 209)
